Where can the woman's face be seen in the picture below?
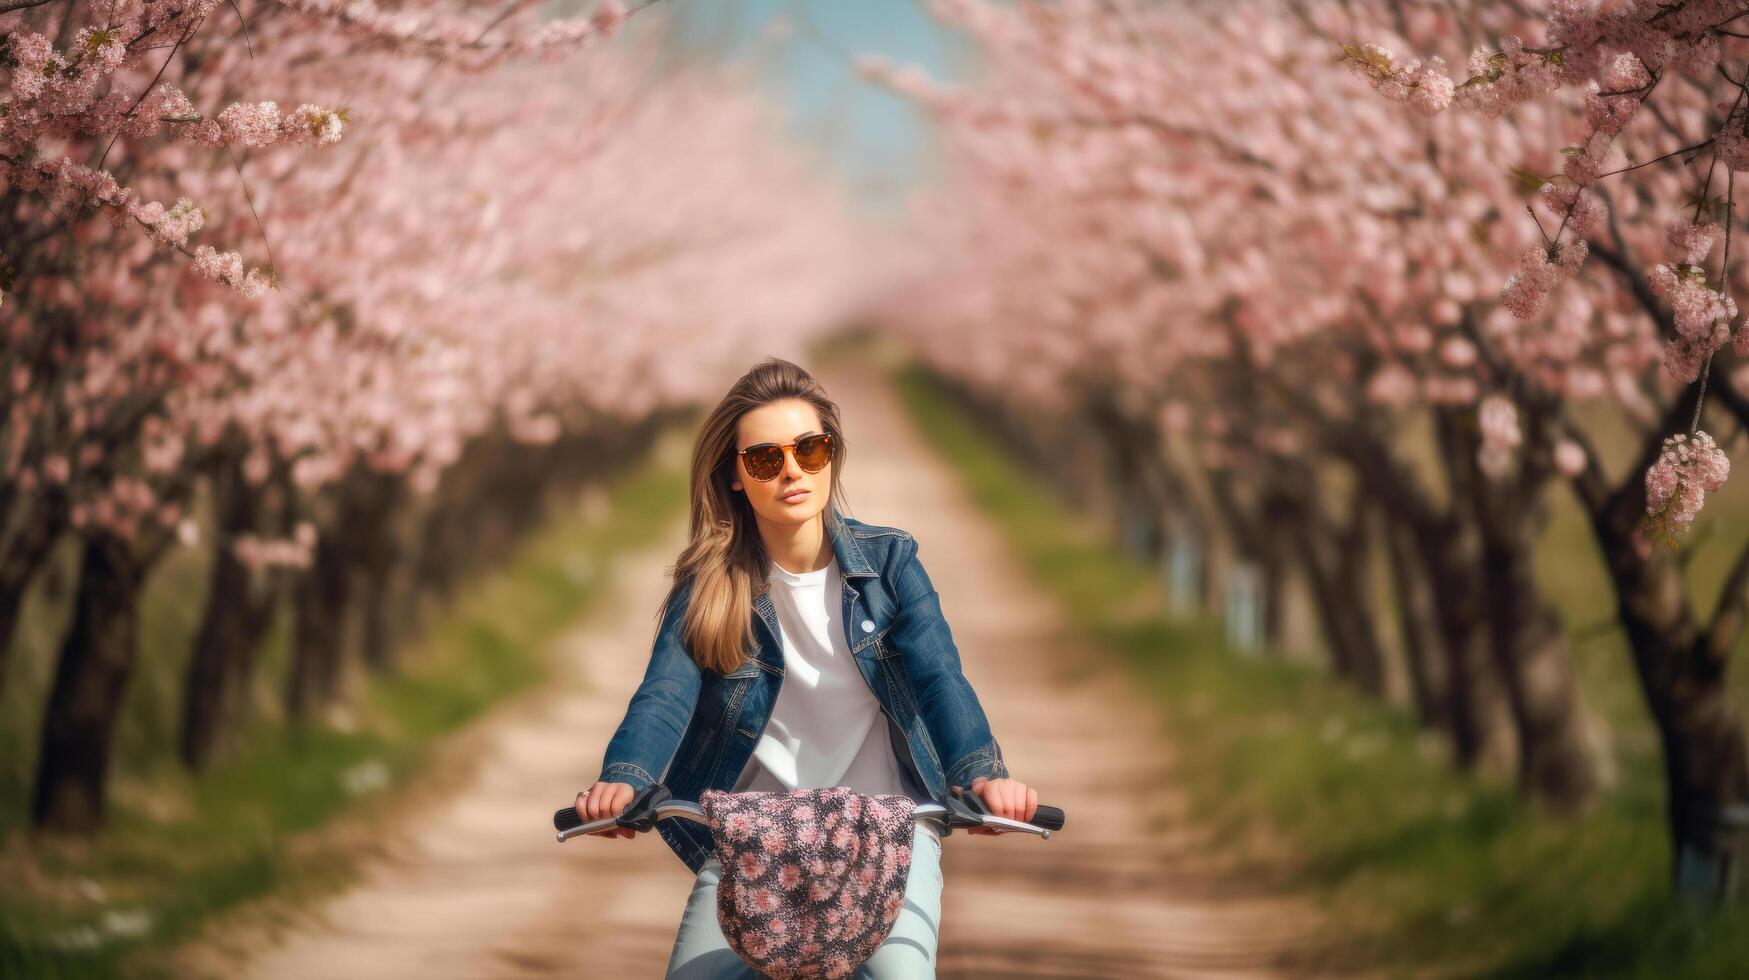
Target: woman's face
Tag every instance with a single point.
(794, 496)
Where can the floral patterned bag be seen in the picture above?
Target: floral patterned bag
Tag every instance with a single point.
(813, 879)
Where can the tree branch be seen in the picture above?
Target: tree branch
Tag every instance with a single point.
(8, 6)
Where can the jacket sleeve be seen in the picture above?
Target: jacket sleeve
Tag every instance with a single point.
(660, 708)
(950, 708)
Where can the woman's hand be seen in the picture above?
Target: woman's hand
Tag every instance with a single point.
(1009, 798)
(606, 800)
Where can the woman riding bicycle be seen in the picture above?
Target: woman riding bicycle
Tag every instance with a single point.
(797, 649)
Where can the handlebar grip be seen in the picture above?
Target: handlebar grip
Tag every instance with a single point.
(1048, 817)
(639, 814)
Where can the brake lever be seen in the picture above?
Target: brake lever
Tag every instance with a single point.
(968, 810)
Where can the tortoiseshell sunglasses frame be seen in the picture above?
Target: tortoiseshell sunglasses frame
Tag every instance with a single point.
(826, 437)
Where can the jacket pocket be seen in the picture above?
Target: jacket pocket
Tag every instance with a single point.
(883, 649)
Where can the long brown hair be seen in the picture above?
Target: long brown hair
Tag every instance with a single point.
(725, 559)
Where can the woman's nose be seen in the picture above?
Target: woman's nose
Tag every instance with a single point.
(792, 468)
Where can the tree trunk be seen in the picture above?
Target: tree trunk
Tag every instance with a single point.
(91, 677)
(1416, 617)
(1334, 564)
(1252, 527)
(1556, 762)
(373, 555)
(375, 602)
(1682, 671)
(1480, 721)
(11, 604)
(28, 547)
(318, 634)
(1186, 568)
(1706, 769)
(216, 690)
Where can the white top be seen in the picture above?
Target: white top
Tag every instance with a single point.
(826, 728)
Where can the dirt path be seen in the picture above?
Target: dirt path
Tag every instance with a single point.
(479, 889)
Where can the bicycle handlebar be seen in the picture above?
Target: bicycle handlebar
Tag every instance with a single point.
(655, 802)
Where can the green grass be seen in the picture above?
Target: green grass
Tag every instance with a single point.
(181, 848)
(1422, 870)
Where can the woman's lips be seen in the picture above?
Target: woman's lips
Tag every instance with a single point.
(793, 496)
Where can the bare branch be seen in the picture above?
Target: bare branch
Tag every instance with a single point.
(8, 6)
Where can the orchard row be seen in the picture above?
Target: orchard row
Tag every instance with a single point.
(335, 290)
(1318, 294)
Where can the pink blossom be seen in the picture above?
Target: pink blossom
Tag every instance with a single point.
(1424, 86)
(1580, 207)
(34, 55)
(57, 469)
(1732, 144)
(1457, 352)
(1688, 468)
(1527, 290)
(1392, 386)
(1690, 243)
(104, 45)
(609, 16)
(1683, 360)
(1569, 458)
(227, 267)
(251, 124)
(1498, 420)
(1625, 73)
(1702, 316)
(323, 126)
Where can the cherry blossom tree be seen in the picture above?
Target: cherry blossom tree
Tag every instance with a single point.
(1299, 295)
(1662, 88)
(501, 263)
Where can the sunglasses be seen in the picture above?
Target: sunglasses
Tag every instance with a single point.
(765, 461)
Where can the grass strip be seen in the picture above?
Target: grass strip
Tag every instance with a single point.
(181, 848)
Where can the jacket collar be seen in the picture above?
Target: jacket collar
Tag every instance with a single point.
(852, 561)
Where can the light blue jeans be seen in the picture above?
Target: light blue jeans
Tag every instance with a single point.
(701, 952)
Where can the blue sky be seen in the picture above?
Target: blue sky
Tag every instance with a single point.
(878, 140)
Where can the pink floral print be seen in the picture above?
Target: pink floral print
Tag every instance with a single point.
(813, 879)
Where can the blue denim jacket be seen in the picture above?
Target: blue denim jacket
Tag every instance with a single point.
(694, 729)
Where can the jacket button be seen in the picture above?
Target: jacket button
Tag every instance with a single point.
(868, 626)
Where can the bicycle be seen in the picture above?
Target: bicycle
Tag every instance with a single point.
(962, 810)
